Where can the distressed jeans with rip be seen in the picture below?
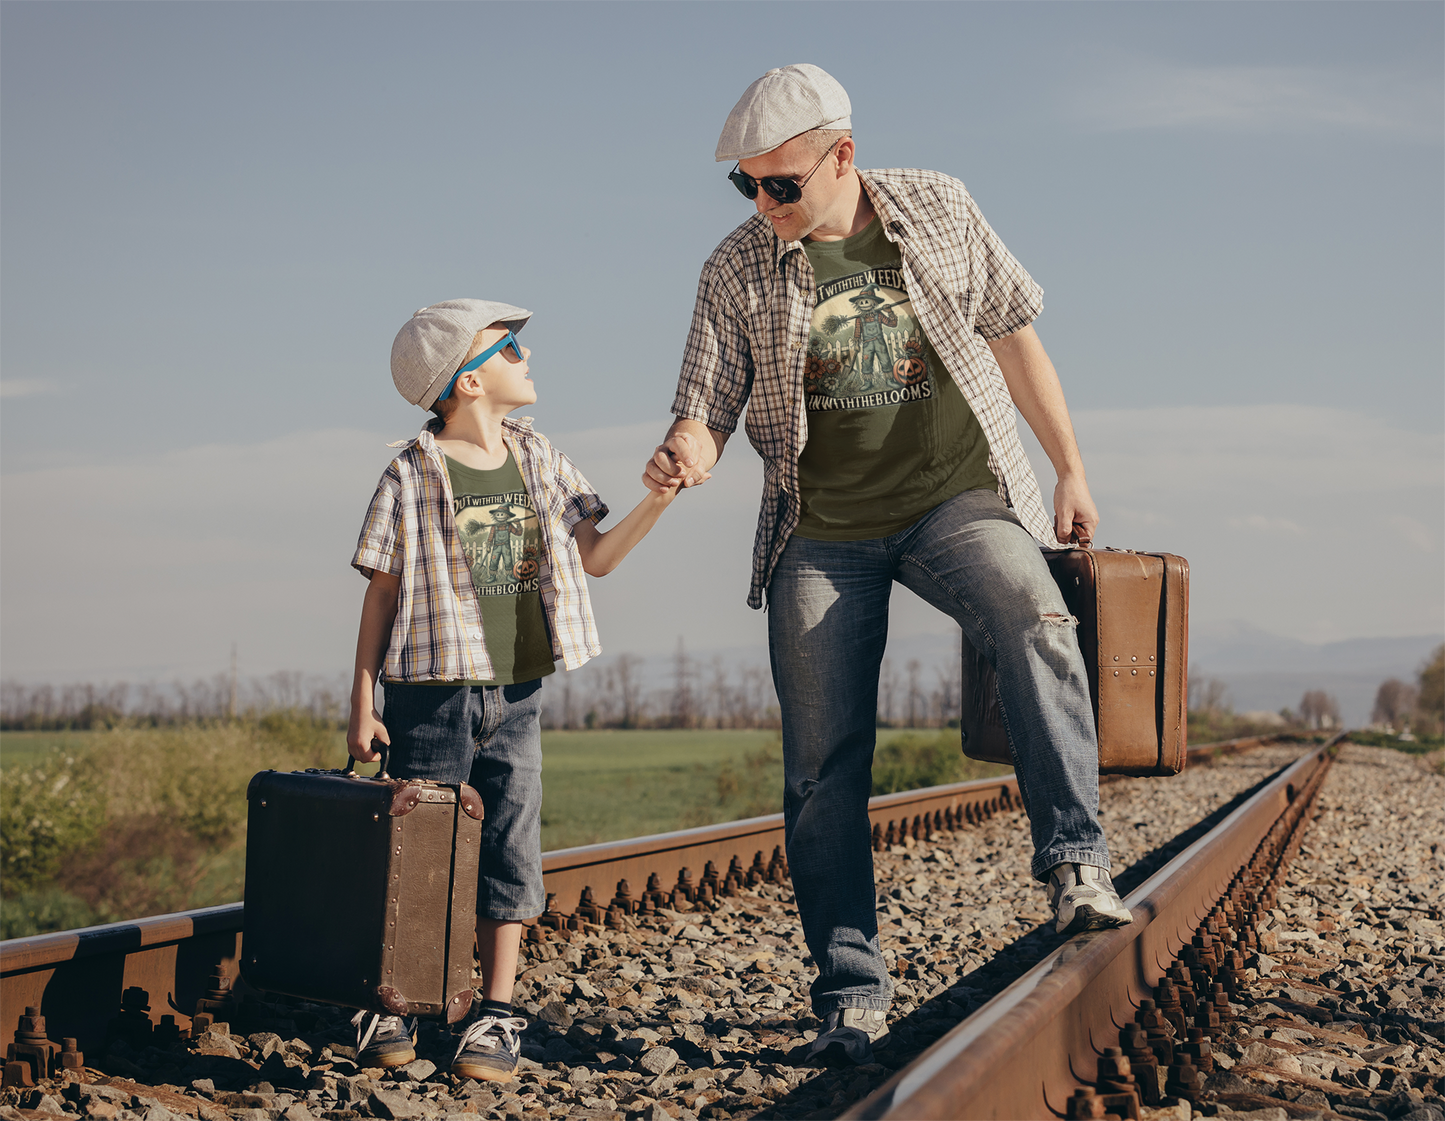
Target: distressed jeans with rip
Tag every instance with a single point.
(827, 626)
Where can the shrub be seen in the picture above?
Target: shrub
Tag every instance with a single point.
(38, 912)
(912, 761)
(751, 790)
(174, 809)
(46, 812)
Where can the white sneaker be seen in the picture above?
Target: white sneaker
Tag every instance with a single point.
(848, 1036)
(489, 1048)
(1083, 898)
(383, 1041)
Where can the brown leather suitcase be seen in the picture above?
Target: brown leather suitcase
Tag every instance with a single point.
(362, 891)
(1133, 613)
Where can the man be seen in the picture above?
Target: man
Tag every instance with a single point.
(920, 479)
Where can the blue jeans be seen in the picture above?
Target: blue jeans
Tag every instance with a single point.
(489, 736)
(828, 622)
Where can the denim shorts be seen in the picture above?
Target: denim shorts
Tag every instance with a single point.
(489, 736)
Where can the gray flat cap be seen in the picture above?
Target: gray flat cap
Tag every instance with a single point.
(779, 106)
(430, 347)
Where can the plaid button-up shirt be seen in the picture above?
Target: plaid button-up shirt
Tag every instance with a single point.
(748, 344)
(410, 531)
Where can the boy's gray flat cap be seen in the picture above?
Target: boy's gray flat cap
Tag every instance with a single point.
(428, 350)
(780, 105)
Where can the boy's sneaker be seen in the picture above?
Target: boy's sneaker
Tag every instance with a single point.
(848, 1036)
(1083, 898)
(383, 1041)
(489, 1048)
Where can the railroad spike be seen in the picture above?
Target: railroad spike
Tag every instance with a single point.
(31, 1046)
(1185, 1081)
(1200, 1050)
(17, 1074)
(133, 1024)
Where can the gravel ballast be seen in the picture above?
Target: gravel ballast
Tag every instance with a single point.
(704, 1013)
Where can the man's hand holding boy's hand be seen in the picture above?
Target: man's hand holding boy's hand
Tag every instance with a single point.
(361, 731)
(676, 463)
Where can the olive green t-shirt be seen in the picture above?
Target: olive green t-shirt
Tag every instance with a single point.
(502, 540)
(890, 435)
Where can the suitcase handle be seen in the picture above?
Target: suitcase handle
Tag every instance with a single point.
(376, 745)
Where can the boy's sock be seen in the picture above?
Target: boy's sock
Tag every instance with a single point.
(494, 1007)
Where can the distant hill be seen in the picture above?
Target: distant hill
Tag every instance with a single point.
(1268, 671)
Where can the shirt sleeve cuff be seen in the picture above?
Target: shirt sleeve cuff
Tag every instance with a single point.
(1027, 307)
(368, 561)
(719, 420)
(584, 508)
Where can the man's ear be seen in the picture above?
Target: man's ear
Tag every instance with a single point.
(845, 152)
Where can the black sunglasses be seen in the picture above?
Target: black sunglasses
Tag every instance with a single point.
(784, 189)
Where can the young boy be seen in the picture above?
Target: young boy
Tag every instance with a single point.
(474, 545)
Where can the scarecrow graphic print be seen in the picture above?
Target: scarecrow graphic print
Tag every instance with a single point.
(501, 541)
(865, 348)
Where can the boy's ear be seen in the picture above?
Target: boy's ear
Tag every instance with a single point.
(471, 383)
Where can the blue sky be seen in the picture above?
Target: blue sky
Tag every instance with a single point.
(214, 217)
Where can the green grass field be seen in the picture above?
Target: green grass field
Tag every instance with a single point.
(607, 785)
(20, 749)
(105, 825)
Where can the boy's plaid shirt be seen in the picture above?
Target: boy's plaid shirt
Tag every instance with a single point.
(749, 340)
(410, 532)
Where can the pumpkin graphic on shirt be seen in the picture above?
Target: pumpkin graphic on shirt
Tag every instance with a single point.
(910, 371)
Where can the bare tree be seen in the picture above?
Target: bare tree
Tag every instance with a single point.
(915, 694)
(948, 697)
(1319, 710)
(1431, 702)
(1394, 702)
(684, 703)
(628, 669)
(1208, 694)
(887, 693)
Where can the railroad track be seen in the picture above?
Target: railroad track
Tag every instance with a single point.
(1118, 1019)
(1041, 1037)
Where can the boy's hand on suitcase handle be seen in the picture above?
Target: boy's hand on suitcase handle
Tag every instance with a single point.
(363, 735)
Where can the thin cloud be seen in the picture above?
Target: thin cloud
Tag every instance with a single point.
(1259, 99)
(25, 387)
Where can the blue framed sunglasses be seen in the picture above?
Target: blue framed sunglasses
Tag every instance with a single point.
(509, 340)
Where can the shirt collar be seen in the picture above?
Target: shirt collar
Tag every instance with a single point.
(426, 438)
(894, 221)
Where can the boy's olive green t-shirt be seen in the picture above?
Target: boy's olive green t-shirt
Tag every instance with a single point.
(890, 435)
(502, 541)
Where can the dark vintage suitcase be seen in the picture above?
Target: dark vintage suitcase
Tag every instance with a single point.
(1133, 612)
(362, 891)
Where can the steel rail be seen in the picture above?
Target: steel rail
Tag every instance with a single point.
(1025, 1052)
(76, 977)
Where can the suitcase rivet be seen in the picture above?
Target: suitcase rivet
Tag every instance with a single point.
(1133, 673)
(1151, 657)
(1135, 658)
(398, 848)
(1116, 673)
(1151, 673)
(376, 817)
(263, 801)
(1116, 657)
